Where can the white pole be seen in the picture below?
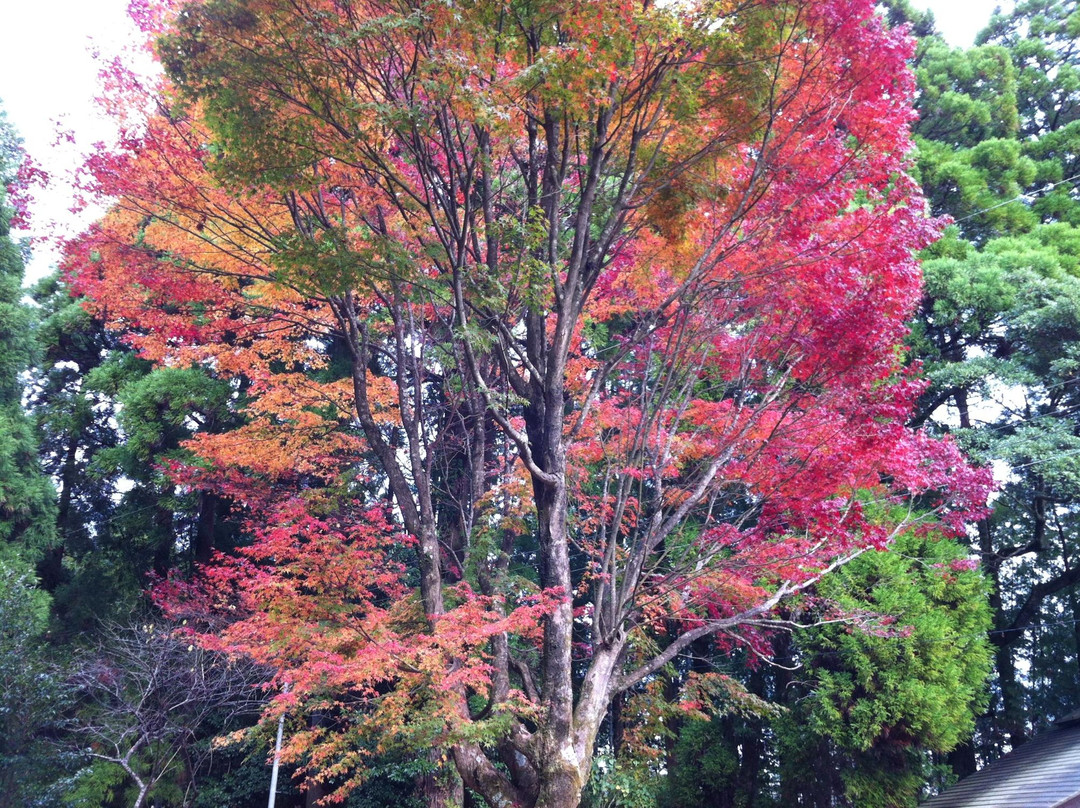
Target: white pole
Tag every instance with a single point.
(277, 757)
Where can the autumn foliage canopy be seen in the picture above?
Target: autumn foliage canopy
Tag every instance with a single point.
(564, 333)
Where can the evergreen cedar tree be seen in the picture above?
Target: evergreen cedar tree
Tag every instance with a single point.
(27, 511)
(565, 334)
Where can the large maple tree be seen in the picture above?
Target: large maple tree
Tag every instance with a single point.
(565, 335)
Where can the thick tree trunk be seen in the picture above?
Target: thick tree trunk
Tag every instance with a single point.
(205, 527)
(566, 741)
(561, 779)
(166, 540)
(962, 759)
(750, 760)
(313, 792)
(440, 788)
(1013, 721)
(560, 787)
(50, 569)
(313, 789)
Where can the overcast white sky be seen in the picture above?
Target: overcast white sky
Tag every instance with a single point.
(48, 78)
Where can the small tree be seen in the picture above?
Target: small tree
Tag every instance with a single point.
(146, 694)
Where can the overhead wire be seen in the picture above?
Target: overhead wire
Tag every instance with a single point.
(1019, 198)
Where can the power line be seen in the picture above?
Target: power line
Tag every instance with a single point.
(1045, 624)
(1013, 425)
(1047, 459)
(1019, 198)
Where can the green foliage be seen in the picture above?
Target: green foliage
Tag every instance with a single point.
(966, 97)
(916, 677)
(710, 759)
(161, 410)
(1041, 37)
(866, 700)
(104, 784)
(97, 786)
(629, 782)
(157, 410)
(920, 22)
(74, 420)
(27, 498)
(27, 507)
(884, 696)
(970, 185)
(30, 695)
(999, 331)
